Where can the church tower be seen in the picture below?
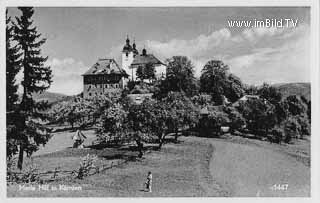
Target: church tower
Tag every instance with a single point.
(128, 53)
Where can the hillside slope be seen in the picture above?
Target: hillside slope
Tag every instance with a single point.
(299, 89)
(50, 97)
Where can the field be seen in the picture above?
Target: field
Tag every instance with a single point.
(196, 167)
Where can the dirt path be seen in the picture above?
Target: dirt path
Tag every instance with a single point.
(246, 170)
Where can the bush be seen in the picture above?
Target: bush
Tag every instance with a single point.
(86, 165)
(292, 129)
(236, 120)
(259, 115)
(211, 125)
(277, 135)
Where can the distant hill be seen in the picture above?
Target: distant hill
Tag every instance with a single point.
(299, 89)
(51, 97)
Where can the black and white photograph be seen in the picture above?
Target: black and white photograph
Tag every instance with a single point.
(169, 101)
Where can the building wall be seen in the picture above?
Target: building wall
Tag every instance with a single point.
(127, 59)
(161, 71)
(99, 89)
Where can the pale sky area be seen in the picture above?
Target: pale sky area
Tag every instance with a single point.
(77, 37)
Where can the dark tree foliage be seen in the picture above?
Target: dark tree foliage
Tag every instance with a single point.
(182, 112)
(270, 93)
(250, 89)
(308, 104)
(36, 79)
(294, 105)
(180, 76)
(146, 72)
(216, 81)
(259, 115)
(13, 65)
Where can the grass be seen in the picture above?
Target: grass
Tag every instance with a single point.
(195, 167)
(178, 170)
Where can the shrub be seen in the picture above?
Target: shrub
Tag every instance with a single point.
(277, 135)
(211, 125)
(236, 119)
(291, 129)
(259, 115)
(86, 165)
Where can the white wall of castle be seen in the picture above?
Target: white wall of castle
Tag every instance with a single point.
(126, 62)
(161, 71)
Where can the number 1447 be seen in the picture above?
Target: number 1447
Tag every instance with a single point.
(279, 187)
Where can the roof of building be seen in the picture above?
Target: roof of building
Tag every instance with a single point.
(105, 66)
(144, 59)
(127, 47)
(246, 97)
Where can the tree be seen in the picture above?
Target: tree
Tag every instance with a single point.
(259, 115)
(182, 113)
(216, 81)
(236, 119)
(146, 72)
(13, 65)
(294, 105)
(270, 93)
(180, 76)
(36, 79)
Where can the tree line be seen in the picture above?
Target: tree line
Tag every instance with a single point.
(177, 105)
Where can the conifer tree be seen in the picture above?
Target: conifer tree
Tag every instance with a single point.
(36, 79)
(13, 63)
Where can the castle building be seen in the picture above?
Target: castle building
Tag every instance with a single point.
(106, 77)
(131, 60)
(103, 78)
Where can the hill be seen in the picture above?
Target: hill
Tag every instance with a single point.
(299, 89)
(51, 97)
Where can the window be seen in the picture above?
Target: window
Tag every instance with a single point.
(89, 94)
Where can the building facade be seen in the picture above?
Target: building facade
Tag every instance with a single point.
(104, 78)
(131, 60)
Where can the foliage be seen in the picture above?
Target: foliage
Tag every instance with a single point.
(216, 81)
(308, 105)
(250, 89)
(13, 65)
(294, 105)
(146, 72)
(86, 165)
(182, 112)
(237, 122)
(277, 135)
(259, 115)
(180, 76)
(269, 93)
(291, 129)
(36, 79)
(28, 175)
(79, 111)
(113, 123)
(201, 100)
(211, 124)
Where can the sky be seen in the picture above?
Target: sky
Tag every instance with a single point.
(78, 37)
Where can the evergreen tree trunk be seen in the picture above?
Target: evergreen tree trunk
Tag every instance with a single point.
(20, 157)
